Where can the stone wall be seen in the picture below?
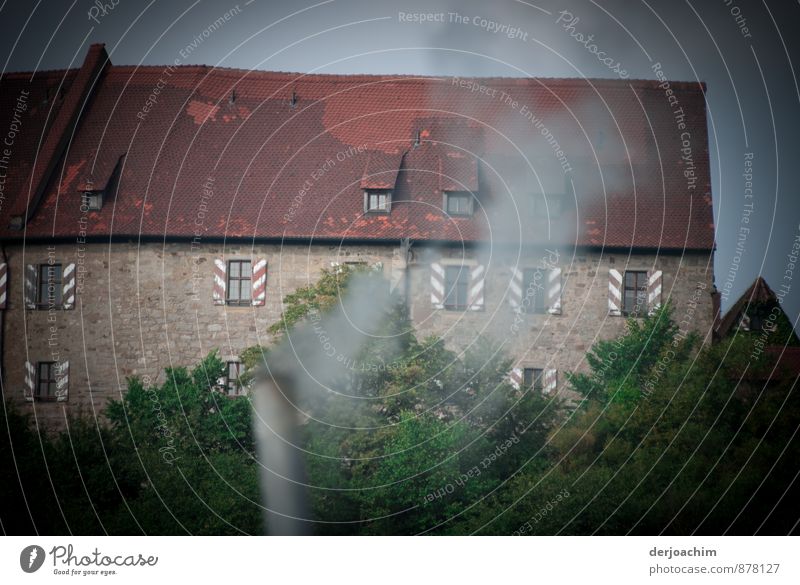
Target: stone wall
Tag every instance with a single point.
(145, 306)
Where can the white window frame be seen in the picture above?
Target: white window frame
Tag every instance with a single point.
(92, 200)
(377, 194)
(459, 194)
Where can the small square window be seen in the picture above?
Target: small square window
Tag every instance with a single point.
(534, 290)
(533, 378)
(233, 373)
(634, 300)
(49, 291)
(45, 381)
(458, 203)
(239, 289)
(92, 200)
(377, 201)
(456, 287)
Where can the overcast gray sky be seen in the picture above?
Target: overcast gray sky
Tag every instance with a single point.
(743, 49)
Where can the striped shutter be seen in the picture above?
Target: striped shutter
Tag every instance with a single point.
(653, 291)
(515, 290)
(220, 281)
(437, 285)
(550, 382)
(30, 286)
(515, 377)
(614, 292)
(30, 381)
(68, 297)
(554, 291)
(62, 381)
(476, 288)
(260, 283)
(3, 284)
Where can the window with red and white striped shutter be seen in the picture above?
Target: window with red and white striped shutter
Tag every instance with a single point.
(614, 292)
(30, 381)
(31, 274)
(3, 284)
(68, 284)
(653, 291)
(475, 299)
(62, 381)
(550, 382)
(515, 377)
(220, 282)
(437, 285)
(259, 297)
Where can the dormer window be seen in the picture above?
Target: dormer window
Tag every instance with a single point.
(92, 200)
(378, 201)
(458, 203)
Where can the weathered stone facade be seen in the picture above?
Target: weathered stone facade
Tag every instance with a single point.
(142, 307)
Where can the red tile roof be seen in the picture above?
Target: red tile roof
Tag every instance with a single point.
(284, 154)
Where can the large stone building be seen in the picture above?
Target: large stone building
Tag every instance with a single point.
(150, 214)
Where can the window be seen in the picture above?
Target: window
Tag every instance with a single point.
(456, 287)
(634, 301)
(533, 378)
(458, 203)
(377, 201)
(533, 282)
(92, 200)
(239, 282)
(45, 381)
(233, 371)
(49, 292)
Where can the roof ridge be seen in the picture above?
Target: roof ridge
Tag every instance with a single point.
(350, 77)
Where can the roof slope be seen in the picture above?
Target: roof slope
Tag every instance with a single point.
(756, 293)
(229, 153)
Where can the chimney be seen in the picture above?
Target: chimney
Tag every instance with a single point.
(60, 132)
